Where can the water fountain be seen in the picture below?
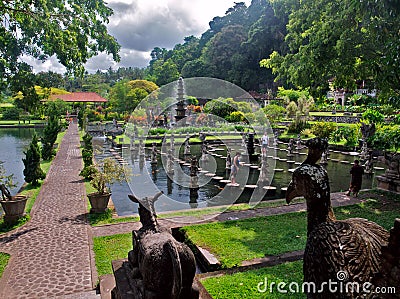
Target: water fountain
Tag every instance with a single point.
(180, 105)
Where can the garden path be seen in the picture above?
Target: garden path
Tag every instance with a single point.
(51, 256)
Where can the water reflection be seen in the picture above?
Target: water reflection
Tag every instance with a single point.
(150, 178)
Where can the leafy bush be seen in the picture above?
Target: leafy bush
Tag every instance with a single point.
(11, 114)
(219, 107)
(274, 112)
(350, 134)
(298, 125)
(155, 131)
(386, 138)
(373, 116)
(323, 129)
(236, 117)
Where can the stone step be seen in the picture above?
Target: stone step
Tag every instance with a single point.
(84, 295)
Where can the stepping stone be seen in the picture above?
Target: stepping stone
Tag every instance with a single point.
(283, 191)
(186, 164)
(290, 161)
(247, 164)
(335, 160)
(378, 168)
(251, 186)
(232, 185)
(345, 162)
(303, 154)
(203, 171)
(278, 169)
(291, 170)
(210, 174)
(283, 160)
(218, 178)
(225, 181)
(254, 166)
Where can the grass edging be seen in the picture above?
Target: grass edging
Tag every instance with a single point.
(4, 258)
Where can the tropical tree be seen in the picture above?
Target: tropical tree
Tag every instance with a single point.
(344, 40)
(73, 31)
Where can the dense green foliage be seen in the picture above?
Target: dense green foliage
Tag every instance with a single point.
(32, 171)
(45, 28)
(230, 49)
(344, 40)
(50, 131)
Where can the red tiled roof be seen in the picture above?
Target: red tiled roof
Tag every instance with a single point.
(79, 97)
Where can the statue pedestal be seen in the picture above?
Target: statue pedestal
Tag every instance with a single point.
(126, 287)
(389, 183)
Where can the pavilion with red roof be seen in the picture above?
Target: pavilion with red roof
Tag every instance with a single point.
(81, 97)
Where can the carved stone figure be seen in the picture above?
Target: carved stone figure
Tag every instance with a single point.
(165, 266)
(338, 251)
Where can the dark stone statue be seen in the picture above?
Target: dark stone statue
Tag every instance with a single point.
(339, 251)
(165, 267)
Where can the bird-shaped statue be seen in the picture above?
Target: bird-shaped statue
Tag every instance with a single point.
(341, 257)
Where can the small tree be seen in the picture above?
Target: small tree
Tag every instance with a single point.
(50, 133)
(32, 172)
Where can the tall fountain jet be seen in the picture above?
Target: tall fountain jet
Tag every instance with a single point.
(180, 106)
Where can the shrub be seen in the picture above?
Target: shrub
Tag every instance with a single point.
(32, 172)
(373, 116)
(11, 114)
(298, 125)
(323, 129)
(236, 117)
(386, 138)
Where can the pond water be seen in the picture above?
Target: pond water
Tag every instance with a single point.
(148, 179)
(14, 141)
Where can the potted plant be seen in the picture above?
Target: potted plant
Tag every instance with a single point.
(13, 206)
(104, 174)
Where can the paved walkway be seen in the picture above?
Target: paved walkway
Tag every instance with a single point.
(51, 254)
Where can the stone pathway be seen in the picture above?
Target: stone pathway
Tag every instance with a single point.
(51, 255)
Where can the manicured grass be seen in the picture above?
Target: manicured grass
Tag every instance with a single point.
(19, 123)
(245, 284)
(236, 241)
(4, 257)
(107, 218)
(110, 248)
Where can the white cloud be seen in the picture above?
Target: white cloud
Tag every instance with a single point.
(141, 25)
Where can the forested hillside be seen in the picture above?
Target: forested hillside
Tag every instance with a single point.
(230, 49)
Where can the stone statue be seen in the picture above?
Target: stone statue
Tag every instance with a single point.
(350, 247)
(165, 267)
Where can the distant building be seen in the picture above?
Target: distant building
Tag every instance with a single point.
(79, 97)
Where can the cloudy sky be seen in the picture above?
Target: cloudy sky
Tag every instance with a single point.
(141, 25)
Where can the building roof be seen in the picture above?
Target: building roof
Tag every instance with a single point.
(79, 97)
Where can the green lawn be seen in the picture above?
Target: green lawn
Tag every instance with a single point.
(254, 284)
(4, 257)
(110, 248)
(236, 241)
